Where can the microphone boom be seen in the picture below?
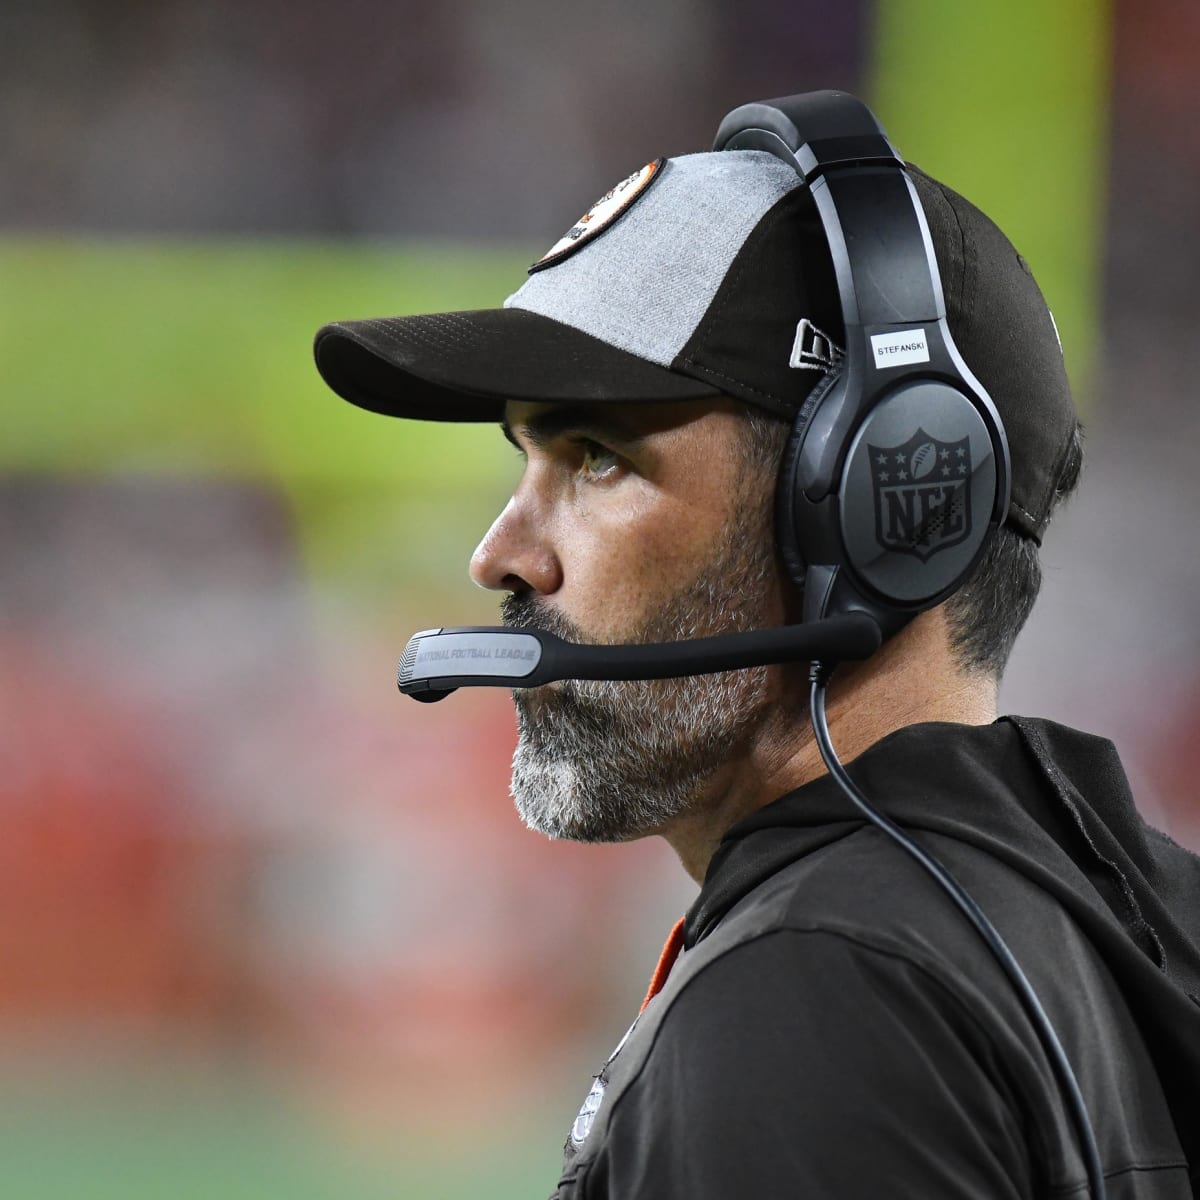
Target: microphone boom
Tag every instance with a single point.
(438, 661)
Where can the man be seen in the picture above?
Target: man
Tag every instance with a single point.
(833, 1025)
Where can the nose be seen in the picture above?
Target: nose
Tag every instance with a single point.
(516, 555)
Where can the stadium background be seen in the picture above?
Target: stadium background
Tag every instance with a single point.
(265, 929)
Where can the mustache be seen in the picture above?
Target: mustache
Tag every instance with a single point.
(526, 612)
(519, 611)
(583, 702)
(569, 709)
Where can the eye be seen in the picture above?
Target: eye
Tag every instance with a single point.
(596, 461)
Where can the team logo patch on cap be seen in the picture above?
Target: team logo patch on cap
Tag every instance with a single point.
(601, 215)
(922, 494)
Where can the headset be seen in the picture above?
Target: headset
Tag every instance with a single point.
(897, 468)
(895, 476)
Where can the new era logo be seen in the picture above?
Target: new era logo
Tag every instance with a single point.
(813, 350)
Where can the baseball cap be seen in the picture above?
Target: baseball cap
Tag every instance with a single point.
(706, 275)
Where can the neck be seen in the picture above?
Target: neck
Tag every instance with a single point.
(911, 680)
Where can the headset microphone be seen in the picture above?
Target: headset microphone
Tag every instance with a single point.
(437, 661)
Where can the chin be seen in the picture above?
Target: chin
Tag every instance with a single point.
(587, 802)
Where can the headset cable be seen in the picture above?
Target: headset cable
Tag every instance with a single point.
(1068, 1084)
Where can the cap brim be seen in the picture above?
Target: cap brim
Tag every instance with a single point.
(463, 366)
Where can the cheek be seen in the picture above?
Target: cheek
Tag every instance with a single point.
(621, 561)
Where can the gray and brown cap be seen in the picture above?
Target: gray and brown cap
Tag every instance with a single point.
(708, 275)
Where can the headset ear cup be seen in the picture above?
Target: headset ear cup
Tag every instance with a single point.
(917, 497)
(787, 484)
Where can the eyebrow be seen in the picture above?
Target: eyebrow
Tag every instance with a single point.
(543, 427)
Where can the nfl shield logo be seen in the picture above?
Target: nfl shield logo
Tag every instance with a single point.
(922, 494)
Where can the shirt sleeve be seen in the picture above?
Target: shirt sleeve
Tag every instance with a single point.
(806, 1063)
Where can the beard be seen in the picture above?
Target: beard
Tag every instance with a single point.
(609, 761)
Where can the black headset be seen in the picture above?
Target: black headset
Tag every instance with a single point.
(897, 469)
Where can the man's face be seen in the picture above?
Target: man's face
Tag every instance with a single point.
(631, 523)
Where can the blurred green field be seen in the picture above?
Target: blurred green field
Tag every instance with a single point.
(132, 354)
(193, 358)
(132, 1137)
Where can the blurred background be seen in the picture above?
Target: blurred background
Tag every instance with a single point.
(266, 929)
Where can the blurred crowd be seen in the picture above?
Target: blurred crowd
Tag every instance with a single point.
(468, 120)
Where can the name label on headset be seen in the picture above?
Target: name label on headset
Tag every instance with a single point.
(899, 349)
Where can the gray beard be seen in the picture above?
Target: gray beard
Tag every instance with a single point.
(601, 761)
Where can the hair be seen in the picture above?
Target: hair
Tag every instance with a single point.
(765, 436)
(991, 608)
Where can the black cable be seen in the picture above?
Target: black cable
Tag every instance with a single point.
(1067, 1082)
